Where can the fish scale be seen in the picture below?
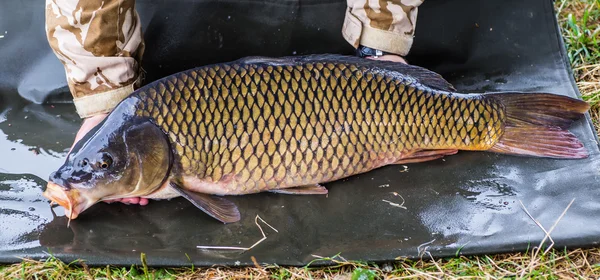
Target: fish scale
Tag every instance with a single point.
(269, 125)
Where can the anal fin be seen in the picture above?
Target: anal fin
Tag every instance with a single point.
(217, 207)
(425, 155)
(303, 190)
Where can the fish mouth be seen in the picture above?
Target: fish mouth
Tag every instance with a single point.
(71, 200)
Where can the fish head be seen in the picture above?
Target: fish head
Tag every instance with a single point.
(115, 160)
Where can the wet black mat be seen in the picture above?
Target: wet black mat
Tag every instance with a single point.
(467, 204)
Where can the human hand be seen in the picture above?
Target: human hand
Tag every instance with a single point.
(86, 126)
(389, 57)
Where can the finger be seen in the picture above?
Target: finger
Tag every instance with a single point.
(144, 201)
(86, 126)
(131, 200)
(82, 131)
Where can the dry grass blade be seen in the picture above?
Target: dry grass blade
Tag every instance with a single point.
(394, 204)
(419, 252)
(554, 225)
(534, 259)
(86, 269)
(497, 267)
(436, 264)
(255, 262)
(264, 237)
(547, 235)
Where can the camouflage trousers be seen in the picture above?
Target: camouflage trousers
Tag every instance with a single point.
(100, 42)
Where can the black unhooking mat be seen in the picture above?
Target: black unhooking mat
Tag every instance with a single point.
(468, 203)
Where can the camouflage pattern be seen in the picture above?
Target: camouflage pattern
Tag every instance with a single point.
(387, 25)
(100, 44)
(256, 125)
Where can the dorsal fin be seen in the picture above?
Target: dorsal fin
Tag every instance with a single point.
(421, 75)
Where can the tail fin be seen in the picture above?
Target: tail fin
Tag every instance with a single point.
(536, 125)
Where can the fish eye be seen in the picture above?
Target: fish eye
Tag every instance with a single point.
(105, 161)
(84, 162)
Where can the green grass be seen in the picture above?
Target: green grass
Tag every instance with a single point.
(553, 265)
(580, 23)
(581, 30)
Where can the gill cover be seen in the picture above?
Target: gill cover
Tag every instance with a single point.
(149, 159)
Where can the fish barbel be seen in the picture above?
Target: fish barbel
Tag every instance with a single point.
(288, 124)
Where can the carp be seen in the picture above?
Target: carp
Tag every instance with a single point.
(289, 124)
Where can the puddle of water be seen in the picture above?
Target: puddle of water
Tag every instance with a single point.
(33, 143)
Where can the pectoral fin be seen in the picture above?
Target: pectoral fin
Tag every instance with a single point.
(308, 189)
(216, 207)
